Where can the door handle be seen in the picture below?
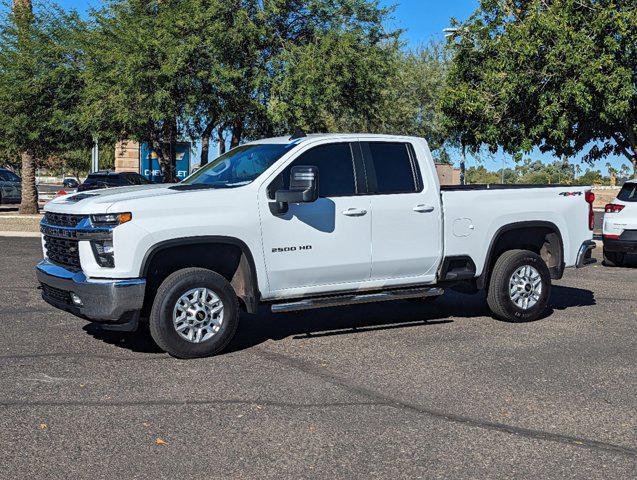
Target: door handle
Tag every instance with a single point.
(423, 208)
(355, 212)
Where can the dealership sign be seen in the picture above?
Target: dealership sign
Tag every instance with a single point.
(149, 162)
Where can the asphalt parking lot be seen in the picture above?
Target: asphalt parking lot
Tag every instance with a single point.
(393, 390)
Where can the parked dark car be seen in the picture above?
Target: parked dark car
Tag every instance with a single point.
(10, 187)
(70, 183)
(112, 179)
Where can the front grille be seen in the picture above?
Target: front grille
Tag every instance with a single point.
(55, 294)
(63, 252)
(63, 219)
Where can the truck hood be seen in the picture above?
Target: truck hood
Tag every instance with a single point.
(99, 201)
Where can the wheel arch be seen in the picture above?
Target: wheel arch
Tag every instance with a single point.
(541, 237)
(229, 256)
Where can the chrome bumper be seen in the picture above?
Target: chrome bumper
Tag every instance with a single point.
(585, 254)
(106, 301)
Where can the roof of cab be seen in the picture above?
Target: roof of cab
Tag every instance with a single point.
(314, 136)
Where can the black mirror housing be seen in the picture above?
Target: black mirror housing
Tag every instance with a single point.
(304, 187)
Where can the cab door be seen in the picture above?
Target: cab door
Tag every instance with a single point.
(407, 217)
(324, 245)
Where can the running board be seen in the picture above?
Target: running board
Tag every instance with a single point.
(353, 299)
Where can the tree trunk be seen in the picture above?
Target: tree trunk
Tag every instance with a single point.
(29, 203)
(222, 140)
(23, 10)
(237, 133)
(163, 156)
(205, 144)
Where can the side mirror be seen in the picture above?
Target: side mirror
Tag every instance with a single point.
(304, 188)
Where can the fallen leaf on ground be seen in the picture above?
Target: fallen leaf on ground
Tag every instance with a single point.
(159, 441)
(43, 426)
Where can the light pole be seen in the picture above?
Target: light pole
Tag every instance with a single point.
(95, 156)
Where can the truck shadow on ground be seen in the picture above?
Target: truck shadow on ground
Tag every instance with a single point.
(256, 329)
(139, 341)
(263, 326)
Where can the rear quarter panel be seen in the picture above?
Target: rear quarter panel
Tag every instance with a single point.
(472, 218)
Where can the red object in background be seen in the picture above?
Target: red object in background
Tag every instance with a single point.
(613, 208)
(61, 192)
(590, 198)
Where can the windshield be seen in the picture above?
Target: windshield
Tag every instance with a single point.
(240, 166)
(8, 176)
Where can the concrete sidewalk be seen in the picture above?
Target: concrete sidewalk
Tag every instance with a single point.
(12, 224)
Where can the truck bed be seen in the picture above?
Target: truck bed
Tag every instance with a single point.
(473, 216)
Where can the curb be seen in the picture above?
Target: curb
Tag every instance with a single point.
(20, 234)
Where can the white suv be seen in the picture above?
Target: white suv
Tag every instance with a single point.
(620, 225)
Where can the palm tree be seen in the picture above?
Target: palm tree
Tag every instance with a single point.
(23, 11)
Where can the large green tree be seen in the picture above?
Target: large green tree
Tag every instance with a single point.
(415, 94)
(335, 83)
(160, 69)
(137, 75)
(39, 87)
(560, 74)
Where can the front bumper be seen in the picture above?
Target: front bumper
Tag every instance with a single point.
(104, 301)
(585, 254)
(627, 242)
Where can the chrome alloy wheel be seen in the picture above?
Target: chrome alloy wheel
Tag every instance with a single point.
(525, 287)
(198, 315)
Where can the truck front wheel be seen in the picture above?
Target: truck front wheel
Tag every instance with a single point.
(520, 286)
(195, 313)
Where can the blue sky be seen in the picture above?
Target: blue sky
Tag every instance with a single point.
(422, 20)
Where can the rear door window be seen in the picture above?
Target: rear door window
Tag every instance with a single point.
(390, 168)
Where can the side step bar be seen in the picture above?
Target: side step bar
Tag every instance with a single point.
(353, 299)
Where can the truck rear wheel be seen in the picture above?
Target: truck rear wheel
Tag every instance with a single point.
(195, 313)
(520, 286)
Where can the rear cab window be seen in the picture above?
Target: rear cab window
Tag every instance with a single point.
(628, 193)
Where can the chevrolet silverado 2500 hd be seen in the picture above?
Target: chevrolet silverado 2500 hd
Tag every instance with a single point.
(299, 223)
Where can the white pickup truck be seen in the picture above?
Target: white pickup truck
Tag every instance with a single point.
(304, 222)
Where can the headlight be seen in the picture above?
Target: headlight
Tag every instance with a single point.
(110, 219)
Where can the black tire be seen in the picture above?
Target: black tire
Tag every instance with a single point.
(498, 296)
(614, 259)
(161, 316)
